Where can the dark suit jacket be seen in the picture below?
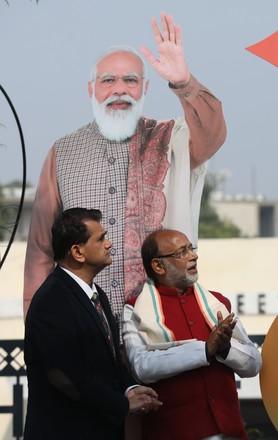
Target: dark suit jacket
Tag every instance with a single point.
(76, 386)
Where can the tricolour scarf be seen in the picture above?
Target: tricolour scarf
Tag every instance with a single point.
(152, 328)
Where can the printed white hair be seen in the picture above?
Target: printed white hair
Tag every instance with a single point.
(116, 49)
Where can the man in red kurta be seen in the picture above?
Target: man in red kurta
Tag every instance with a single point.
(186, 342)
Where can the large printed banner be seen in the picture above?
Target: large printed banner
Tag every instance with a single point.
(254, 303)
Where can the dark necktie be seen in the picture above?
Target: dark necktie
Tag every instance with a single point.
(95, 299)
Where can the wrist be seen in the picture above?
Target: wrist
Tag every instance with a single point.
(179, 84)
(208, 356)
(224, 353)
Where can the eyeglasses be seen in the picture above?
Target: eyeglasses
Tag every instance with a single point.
(179, 254)
(107, 81)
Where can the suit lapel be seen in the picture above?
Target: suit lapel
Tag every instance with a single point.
(82, 297)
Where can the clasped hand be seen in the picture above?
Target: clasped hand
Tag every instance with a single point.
(142, 400)
(219, 339)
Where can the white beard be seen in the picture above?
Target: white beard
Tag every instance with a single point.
(117, 125)
(192, 278)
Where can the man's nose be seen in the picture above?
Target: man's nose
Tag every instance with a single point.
(120, 87)
(108, 244)
(194, 255)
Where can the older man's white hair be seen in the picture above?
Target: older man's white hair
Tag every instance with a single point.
(116, 49)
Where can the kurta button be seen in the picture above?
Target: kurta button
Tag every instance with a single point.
(191, 322)
(113, 251)
(111, 160)
(112, 190)
(114, 283)
(112, 221)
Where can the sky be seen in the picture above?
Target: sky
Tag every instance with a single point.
(47, 50)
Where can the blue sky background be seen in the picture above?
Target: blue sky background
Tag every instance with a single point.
(46, 53)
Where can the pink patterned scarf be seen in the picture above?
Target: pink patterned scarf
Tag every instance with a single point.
(146, 202)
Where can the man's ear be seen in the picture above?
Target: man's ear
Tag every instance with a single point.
(76, 252)
(158, 266)
(90, 88)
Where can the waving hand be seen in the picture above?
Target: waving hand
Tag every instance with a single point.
(171, 64)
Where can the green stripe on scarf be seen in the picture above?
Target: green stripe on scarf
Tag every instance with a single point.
(153, 296)
(206, 304)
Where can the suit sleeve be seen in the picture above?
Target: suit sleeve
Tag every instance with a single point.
(54, 339)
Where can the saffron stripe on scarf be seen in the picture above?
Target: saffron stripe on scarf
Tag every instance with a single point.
(152, 326)
(204, 306)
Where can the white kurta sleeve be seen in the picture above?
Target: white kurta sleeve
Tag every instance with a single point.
(150, 366)
(244, 358)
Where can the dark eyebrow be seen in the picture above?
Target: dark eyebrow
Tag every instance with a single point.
(102, 236)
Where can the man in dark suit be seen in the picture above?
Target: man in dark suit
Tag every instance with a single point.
(79, 388)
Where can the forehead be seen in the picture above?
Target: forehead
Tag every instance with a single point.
(170, 241)
(120, 63)
(95, 229)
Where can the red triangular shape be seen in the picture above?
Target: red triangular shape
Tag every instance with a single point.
(267, 49)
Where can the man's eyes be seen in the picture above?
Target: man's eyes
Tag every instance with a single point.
(113, 80)
(108, 80)
(130, 80)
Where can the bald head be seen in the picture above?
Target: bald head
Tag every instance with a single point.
(169, 259)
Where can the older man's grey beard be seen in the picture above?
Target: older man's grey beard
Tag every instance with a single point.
(186, 280)
(114, 124)
(191, 278)
(181, 279)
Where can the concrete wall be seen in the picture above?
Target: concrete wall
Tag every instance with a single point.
(225, 265)
(246, 214)
(243, 215)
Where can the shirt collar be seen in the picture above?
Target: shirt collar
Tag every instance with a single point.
(84, 286)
